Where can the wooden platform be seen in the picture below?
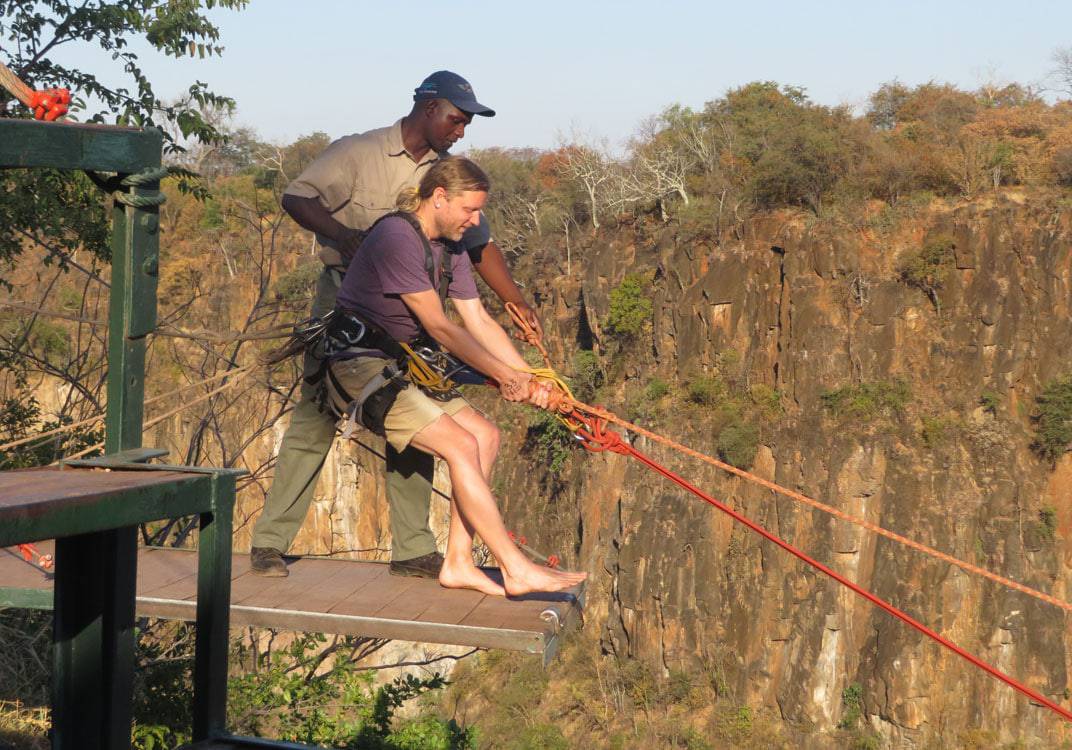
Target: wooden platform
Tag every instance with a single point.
(37, 502)
(329, 596)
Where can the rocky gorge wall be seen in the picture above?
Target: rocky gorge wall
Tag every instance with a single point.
(806, 307)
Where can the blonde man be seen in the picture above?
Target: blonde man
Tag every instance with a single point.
(394, 286)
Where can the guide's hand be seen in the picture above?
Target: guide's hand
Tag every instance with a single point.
(516, 388)
(347, 242)
(539, 394)
(530, 317)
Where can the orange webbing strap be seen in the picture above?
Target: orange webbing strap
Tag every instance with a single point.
(575, 412)
(48, 104)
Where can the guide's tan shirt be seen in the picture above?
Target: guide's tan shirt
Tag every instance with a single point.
(357, 179)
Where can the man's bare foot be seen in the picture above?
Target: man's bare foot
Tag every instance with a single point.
(461, 576)
(537, 578)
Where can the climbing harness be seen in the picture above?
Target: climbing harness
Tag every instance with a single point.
(590, 426)
(346, 334)
(369, 407)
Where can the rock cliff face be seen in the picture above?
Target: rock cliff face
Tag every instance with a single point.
(807, 307)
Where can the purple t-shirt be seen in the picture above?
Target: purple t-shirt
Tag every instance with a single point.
(389, 263)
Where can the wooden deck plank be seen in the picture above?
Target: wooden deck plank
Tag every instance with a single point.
(157, 569)
(328, 581)
(490, 614)
(18, 574)
(250, 584)
(370, 597)
(455, 609)
(180, 581)
(175, 572)
(410, 603)
(335, 590)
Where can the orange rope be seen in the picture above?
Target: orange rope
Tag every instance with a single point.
(597, 438)
(566, 404)
(528, 333)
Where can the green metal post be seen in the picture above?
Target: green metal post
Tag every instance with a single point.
(213, 611)
(96, 573)
(94, 629)
(135, 263)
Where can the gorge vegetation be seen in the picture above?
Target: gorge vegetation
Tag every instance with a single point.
(639, 261)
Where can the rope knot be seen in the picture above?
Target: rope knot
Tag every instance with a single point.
(597, 438)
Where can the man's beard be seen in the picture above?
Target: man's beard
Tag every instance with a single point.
(450, 232)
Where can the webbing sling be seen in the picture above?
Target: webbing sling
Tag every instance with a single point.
(446, 274)
(349, 330)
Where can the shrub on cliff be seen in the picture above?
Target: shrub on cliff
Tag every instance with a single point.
(296, 288)
(737, 444)
(21, 417)
(587, 375)
(1053, 422)
(548, 441)
(930, 267)
(865, 402)
(630, 307)
(705, 390)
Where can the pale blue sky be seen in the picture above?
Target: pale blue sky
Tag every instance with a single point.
(598, 67)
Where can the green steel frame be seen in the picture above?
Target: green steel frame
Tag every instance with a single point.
(96, 546)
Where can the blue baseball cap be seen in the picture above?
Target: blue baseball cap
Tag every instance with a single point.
(450, 86)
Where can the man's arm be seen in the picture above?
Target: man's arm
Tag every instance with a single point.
(488, 333)
(310, 214)
(459, 342)
(493, 269)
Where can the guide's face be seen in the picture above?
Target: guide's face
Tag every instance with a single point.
(459, 212)
(446, 124)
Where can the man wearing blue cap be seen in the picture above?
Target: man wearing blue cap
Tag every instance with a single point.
(339, 196)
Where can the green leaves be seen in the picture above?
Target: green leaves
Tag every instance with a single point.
(1053, 421)
(630, 307)
(930, 267)
(61, 212)
(313, 692)
(177, 28)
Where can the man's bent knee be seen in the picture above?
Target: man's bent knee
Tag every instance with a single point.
(449, 440)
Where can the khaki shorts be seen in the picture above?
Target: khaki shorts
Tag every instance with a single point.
(412, 411)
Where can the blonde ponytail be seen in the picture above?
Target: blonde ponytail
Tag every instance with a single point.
(408, 200)
(455, 174)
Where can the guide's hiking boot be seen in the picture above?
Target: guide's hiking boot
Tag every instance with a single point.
(425, 566)
(265, 561)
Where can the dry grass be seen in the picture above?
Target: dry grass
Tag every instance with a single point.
(23, 727)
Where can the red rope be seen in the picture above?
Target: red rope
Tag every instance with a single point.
(597, 438)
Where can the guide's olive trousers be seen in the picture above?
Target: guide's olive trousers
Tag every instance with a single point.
(305, 446)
